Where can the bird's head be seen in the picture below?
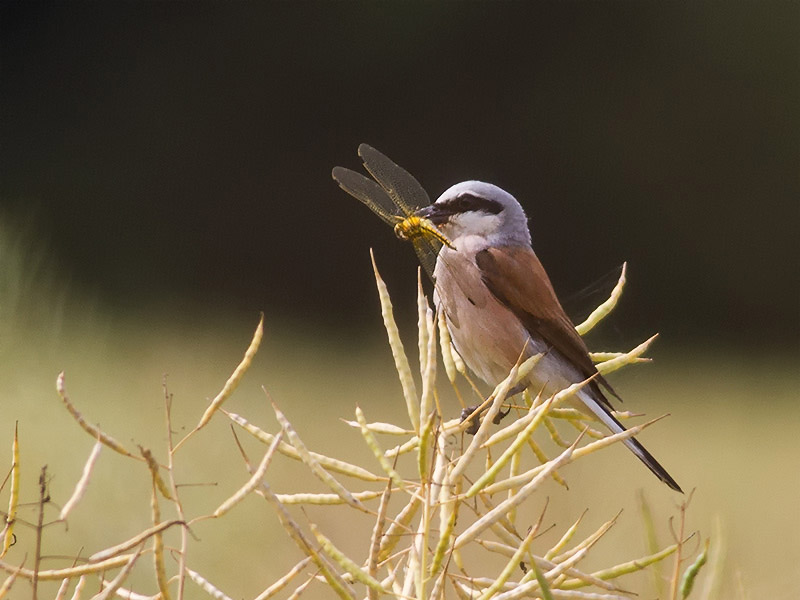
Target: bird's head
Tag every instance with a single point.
(482, 210)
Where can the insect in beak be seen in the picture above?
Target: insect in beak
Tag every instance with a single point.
(413, 227)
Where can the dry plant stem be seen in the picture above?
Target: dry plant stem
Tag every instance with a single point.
(9, 582)
(339, 585)
(631, 357)
(530, 422)
(37, 557)
(328, 463)
(462, 591)
(445, 492)
(429, 354)
(384, 428)
(13, 497)
(155, 473)
(76, 594)
(231, 384)
(252, 483)
(399, 527)
(554, 434)
(92, 430)
(315, 467)
(158, 546)
(502, 528)
(116, 583)
(343, 561)
(325, 499)
(512, 428)
(498, 396)
(511, 482)
(301, 589)
(512, 564)
(622, 568)
(602, 311)
(513, 449)
(542, 458)
(83, 482)
(77, 571)
(423, 450)
(372, 444)
(174, 489)
(415, 553)
(375, 540)
(421, 551)
(207, 586)
(422, 328)
(391, 580)
(130, 595)
(108, 553)
(679, 537)
(572, 414)
(284, 581)
(62, 590)
(566, 538)
(398, 352)
(445, 345)
(590, 431)
(412, 568)
(556, 575)
(408, 446)
(545, 563)
(501, 509)
(535, 580)
(599, 357)
(437, 591)
(588, 541)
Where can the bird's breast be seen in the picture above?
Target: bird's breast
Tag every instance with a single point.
(486, 334)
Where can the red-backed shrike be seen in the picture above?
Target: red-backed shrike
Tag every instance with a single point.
(499, 303)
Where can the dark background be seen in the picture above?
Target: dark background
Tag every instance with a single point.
(182, 152)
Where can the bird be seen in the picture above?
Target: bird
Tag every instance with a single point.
(499, 303)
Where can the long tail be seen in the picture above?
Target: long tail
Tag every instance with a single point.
(604, 414)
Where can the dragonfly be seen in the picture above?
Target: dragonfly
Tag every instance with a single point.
(395, 195)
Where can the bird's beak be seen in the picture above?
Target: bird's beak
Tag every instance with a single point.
(434, 213)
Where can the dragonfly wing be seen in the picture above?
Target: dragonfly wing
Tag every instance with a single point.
(397, 194)
(404, 189)
(368, 192)
(427, 250)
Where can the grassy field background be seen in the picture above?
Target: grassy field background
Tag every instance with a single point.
(732, 437)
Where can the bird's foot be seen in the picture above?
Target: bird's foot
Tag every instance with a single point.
(500, 416)
(474, 422)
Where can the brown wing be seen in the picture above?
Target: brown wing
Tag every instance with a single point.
(518, 280)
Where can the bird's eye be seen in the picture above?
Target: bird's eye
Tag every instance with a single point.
(468, 203)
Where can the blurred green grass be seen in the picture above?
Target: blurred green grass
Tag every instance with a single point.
(732, 436)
